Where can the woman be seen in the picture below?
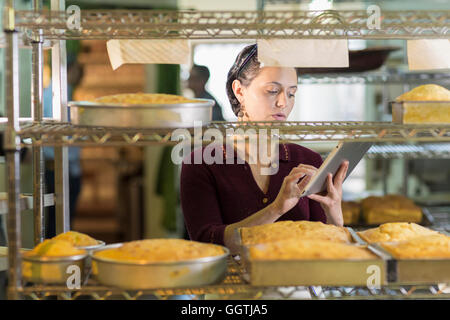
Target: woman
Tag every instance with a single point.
(217, 199)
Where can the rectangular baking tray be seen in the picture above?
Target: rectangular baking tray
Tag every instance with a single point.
(434, 109)
(348, 272)
(181, 115)
(417, 271)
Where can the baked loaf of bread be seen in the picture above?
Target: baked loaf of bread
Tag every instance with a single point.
(425, 247)
(395, 231)
(283, 230)
(426, 92)
(308, 249)
(390, 208)
(160, 250)
(351, 211)
(428, 103)
(54, 248)
(77, 239)
(144, 98)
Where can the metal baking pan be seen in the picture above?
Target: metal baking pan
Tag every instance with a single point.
(52, 270)
(90, 250)
(181, 115)
(418, 271)
(314, 272)
(94, 247)
(326, 272)
(434, 109)
(136, 276)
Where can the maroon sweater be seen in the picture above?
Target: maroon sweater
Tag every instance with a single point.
(215, 195)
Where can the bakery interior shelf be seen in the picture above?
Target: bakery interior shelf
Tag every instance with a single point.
(382, 76)
(189, 24)
(410, 151)
(235, 284)
(57, 134)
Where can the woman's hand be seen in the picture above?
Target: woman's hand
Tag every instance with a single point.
(290, 190)
(331, 202)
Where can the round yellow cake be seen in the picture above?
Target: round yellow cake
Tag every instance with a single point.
(54, 248)
(160, 250)
(77, 239)
(144, 98)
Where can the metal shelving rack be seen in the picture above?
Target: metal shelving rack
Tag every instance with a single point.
(41, 26)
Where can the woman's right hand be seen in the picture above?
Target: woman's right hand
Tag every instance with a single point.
(290, 190)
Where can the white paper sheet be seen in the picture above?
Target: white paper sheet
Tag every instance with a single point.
(427, 54)
(175, 51)
(303, 53)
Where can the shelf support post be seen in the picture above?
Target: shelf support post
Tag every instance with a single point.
(37, 116)
(12, 149)
(60, 112)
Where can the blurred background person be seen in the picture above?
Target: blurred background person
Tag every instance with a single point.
(198, 78)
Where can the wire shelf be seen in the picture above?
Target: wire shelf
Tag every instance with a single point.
(410, 151)
(374, 77)
(157, 24)
(234, 286)
(65, 134)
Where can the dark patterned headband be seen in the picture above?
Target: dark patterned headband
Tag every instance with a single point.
(250, 55)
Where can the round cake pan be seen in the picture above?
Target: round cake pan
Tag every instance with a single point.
(90, 250)
(135, 276)
(52, 270)
(181, 115)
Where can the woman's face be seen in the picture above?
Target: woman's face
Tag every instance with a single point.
(270, 96)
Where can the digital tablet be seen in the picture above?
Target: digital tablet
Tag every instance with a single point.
(350, 151)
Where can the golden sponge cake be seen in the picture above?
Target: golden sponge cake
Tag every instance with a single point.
(395, 231)
(424, 247)
(144, 98)
(54, 248)
(390, 208)
(428, 103)
(308, 249)
(426, 92)
(160, 250)
(351, 211)
(77, 239)
(283, 230)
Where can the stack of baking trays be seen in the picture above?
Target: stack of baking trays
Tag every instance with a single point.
(304, 253)
(135, 265)
(141, 110)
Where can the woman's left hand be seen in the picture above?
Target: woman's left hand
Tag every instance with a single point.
(331, 202)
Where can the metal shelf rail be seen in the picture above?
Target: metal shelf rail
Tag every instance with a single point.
(374, 77)
(154, 24)
(234, 284)
(64, 134)
(410, 151)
